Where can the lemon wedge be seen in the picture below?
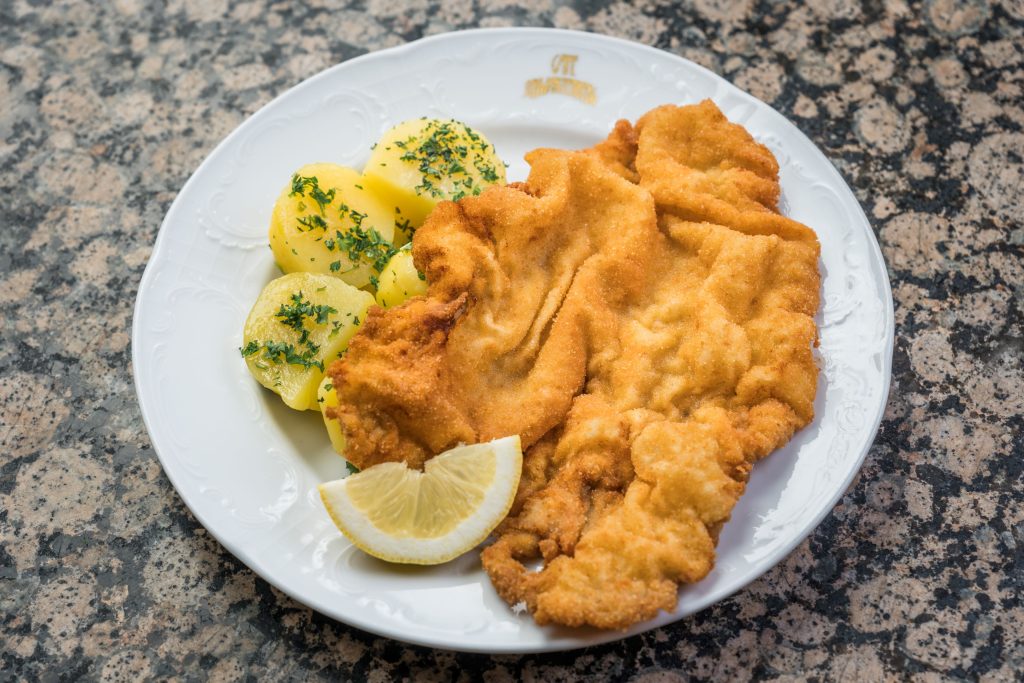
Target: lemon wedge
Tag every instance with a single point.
(404, 515)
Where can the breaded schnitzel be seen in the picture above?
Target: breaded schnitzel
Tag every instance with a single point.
(641, 315)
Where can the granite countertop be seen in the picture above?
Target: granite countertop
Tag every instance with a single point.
(105, 110)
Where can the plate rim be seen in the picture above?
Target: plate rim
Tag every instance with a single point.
(770, 561)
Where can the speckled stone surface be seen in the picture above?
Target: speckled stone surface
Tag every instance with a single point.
(106, 108)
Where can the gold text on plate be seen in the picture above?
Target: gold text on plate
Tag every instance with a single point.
(563, 82)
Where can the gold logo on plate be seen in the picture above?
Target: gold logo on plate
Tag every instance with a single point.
(563, 82)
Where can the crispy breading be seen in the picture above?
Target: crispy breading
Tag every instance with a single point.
(531, 261)
(642, 315)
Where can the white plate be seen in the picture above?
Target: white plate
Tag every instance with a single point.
(248, 467)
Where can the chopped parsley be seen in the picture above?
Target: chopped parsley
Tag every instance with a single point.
(300, 184)
(346, 212)
(299, 309)
(281, 352)
(442, 153)
(405, 226)
(359, 245)
(312, 222)
(295, 315)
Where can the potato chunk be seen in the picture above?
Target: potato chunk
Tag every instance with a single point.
(421, 162)
(300, 324)
(328, 221)
(327, 397)
(400, 280)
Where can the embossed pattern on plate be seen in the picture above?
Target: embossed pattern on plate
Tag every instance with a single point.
(248, 467)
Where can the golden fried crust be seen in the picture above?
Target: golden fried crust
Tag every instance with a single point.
(642, 315)
(429, 374)
(618, 150)
(712, 370)
(400, 354)
(701, 151)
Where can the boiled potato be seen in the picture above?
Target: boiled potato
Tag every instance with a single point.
(400, 280)
(328, 397)
(421, 162)
(328, 221)
(299, 325)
